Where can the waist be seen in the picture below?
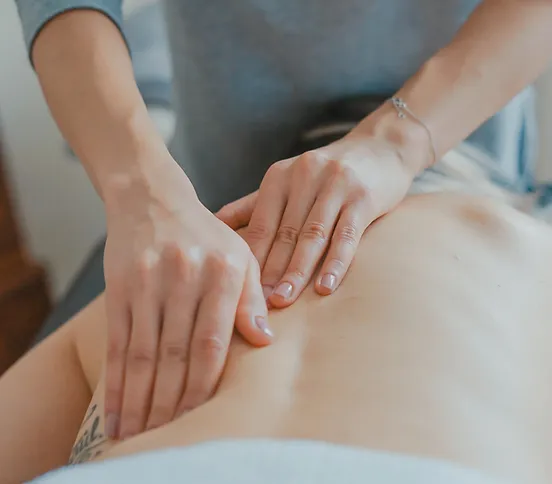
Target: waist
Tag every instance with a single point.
(418, 352)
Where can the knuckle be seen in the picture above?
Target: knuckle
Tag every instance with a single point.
(287, 234)
(348, 234)
(189, 262)
(258, 231)
(172, 251)
(275, 170)
(174, 352)
(211, 347)
(218, 260)
(362, 194)
(174, 256)
(115, 350)
(141, 356)
(314, 231)
(296, 274)
(309, 162)
(337, 266)
(223, 264)
(335, 167)
(310, 157)
(349, 175)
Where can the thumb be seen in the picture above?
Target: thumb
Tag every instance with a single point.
(237, 214)
(252, 313)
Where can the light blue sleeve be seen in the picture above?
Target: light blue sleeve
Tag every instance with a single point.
(35, 14)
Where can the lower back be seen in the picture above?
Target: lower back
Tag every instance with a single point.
(434, 345)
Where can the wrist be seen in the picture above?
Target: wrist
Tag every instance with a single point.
(118, 145)
(153, 179)
(407, 135)
(131, 158)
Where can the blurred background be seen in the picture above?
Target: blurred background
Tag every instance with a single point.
(59, 212)
(52, 226)
(59, 216)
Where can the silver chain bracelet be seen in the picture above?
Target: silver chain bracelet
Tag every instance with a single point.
(402, 111)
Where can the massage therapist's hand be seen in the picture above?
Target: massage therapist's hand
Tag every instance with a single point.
(316, 207)
(177, 279)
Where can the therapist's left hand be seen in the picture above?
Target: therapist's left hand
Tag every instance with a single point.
(317, 206)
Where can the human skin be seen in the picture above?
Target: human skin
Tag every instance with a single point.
(86, 75)
(435, 345)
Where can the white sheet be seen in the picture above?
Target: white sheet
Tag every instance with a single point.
(267, 462)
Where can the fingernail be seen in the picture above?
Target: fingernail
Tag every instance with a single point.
(284, 290)
(261, 323)
(111, 425)
(267, 291)
(328, 281)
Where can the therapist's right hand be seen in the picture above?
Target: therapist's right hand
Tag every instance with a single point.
(177, 280)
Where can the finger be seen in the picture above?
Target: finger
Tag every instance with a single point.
(304, 188)
(252, 313)
(174, 346)
(238, 214)
(267, 214)
(313, 242)
(118, 337)
(141, 359)
(343, 246)
(212, 333)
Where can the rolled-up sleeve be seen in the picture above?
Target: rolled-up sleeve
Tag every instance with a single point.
(35, 14)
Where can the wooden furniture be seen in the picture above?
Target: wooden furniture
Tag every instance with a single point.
(24, 298)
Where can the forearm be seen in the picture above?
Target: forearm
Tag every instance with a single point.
(503, 47)
(86, 74)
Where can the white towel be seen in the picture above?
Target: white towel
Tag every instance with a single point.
(267, 462)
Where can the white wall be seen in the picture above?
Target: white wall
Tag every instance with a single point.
(62, 215)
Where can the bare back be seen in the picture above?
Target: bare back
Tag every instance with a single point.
(435, 345)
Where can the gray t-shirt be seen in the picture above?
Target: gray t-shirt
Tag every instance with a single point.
(249, 75)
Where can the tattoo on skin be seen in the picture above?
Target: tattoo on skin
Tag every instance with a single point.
(90, 443)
